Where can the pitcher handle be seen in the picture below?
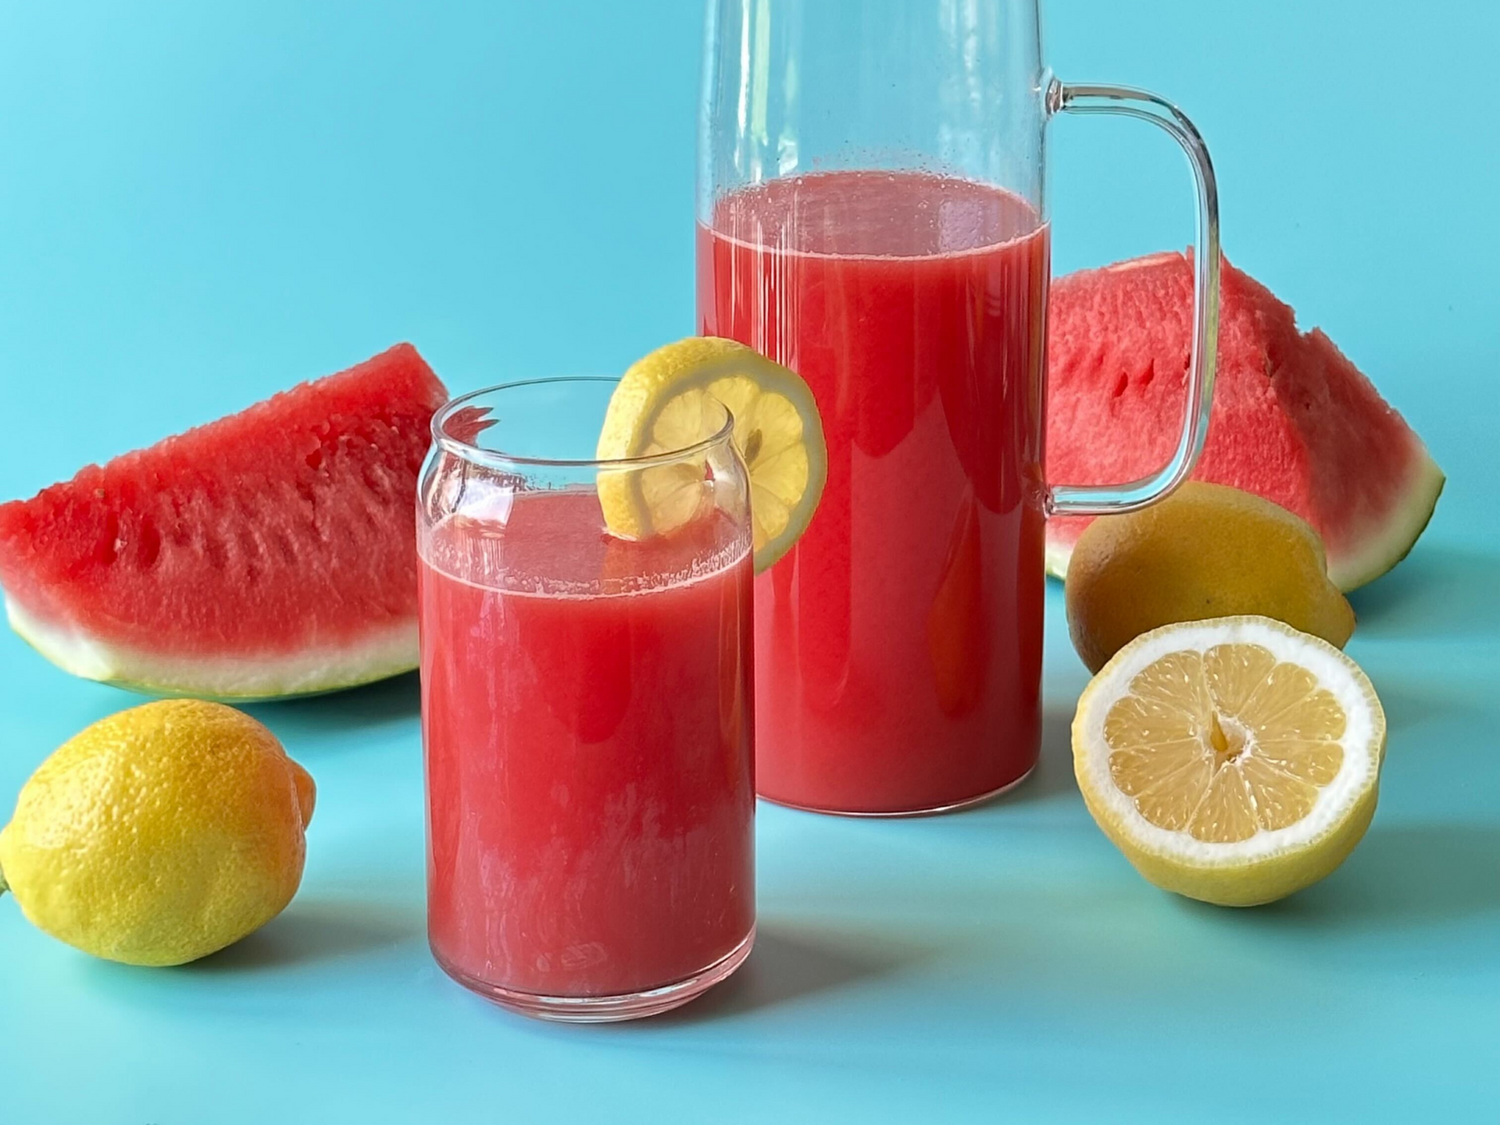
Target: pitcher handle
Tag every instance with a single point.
(1109, 499)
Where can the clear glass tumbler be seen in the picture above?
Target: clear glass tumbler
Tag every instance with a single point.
(871, 213)
(586, 713)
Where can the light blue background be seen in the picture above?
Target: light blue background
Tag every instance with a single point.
(201, 203)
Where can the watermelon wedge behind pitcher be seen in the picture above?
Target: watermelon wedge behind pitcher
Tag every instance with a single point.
(1293, 419)
(269, 553)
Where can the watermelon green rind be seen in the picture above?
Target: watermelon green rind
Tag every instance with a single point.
(1407, 520)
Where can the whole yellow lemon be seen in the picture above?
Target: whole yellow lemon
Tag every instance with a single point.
(1205, 552)
(160, 834)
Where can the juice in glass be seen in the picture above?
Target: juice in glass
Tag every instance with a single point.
(587, 719)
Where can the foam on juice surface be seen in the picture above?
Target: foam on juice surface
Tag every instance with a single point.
(553, 543)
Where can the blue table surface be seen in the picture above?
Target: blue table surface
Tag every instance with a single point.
(200, 204)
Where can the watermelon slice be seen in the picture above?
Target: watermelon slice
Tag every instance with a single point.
(270, 553)
(1293, 420)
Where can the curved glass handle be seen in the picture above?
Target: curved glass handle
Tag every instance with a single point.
(1098, 500)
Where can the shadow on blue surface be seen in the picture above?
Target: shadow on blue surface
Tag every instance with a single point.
(1411, 704)
(1438, 593)
(1400, 876)
(789, 965)
(388, 701)
(1053, 776)
(312, 932)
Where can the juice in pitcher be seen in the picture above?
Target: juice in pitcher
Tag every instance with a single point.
(899, 644)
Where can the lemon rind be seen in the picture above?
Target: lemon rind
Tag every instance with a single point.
(695, 364)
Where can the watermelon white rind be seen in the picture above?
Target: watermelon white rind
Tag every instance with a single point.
(382, 655)
(1407, 520)
(271, 553)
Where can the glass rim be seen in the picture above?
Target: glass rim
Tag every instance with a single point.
(471, 452)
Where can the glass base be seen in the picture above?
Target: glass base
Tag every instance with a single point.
(607, 1009)
(934, 810)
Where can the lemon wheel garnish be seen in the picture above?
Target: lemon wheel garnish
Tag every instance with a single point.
(1234, 761)
(670, 400)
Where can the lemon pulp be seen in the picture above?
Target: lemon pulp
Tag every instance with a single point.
(1225, 743)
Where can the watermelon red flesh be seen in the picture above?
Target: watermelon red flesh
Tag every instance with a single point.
(271, 552)
(1293, 420)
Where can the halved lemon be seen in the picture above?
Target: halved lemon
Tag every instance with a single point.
(1233, 761)
(670, 400)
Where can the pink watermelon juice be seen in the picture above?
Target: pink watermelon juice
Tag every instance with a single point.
(586, 716)
(899, 644)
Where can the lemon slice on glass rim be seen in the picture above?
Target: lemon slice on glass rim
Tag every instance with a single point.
(1233, 761)
(670, 400)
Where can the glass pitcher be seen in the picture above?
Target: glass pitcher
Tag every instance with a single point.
(871, 213)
